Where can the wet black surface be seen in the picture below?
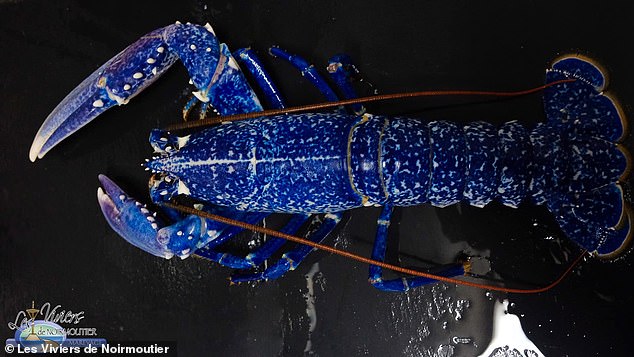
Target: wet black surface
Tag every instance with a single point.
(56, 247)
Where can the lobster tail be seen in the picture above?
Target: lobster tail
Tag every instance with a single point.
(578, 162)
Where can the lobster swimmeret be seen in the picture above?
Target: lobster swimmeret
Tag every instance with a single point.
(331, 162)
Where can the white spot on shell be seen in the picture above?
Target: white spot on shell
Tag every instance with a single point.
(97, 103)
(137, 75)
(192, 47)
(126, 87)
(160, 49)
(150, 60)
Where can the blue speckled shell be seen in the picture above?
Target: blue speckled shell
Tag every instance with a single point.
(483, 159)
(406, 161)
(283, 164)
(334, 162)
(516, 156)
(449, 164)
(367, 144)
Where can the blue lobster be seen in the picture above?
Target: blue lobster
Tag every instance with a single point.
(327, 163)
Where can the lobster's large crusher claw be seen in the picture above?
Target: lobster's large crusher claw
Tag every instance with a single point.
(128, 73)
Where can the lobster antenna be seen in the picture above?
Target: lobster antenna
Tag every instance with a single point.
(381, 97)
(346, 254)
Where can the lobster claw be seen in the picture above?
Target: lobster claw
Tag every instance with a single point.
(130, 219)
(79, 107)
(127, 74)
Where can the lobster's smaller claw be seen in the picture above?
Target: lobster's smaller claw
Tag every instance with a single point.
(130, 219)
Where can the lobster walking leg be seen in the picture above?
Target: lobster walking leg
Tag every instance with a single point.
(378, 253)
(293, 258)
(253, 64)
(256, 258)
(343, 72)
(271, 246)
(308, 71)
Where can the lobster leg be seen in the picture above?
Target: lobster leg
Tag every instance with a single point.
(273, 244)
(193, 100)
(308, 71)
(378, 253)
(256, 258)
(253, 64)
(292, 259)
(343, 72)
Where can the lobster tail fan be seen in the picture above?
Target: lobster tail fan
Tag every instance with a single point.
(616, 241)
(579, 163)
(599, 221)
(582, 105)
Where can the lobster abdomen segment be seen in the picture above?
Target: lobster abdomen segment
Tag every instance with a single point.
(443, 163)
(483, 158)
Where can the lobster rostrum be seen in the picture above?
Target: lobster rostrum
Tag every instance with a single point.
(327, 163)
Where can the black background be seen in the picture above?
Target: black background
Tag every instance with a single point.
(55, 246)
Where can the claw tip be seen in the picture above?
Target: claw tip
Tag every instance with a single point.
(35, 150)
